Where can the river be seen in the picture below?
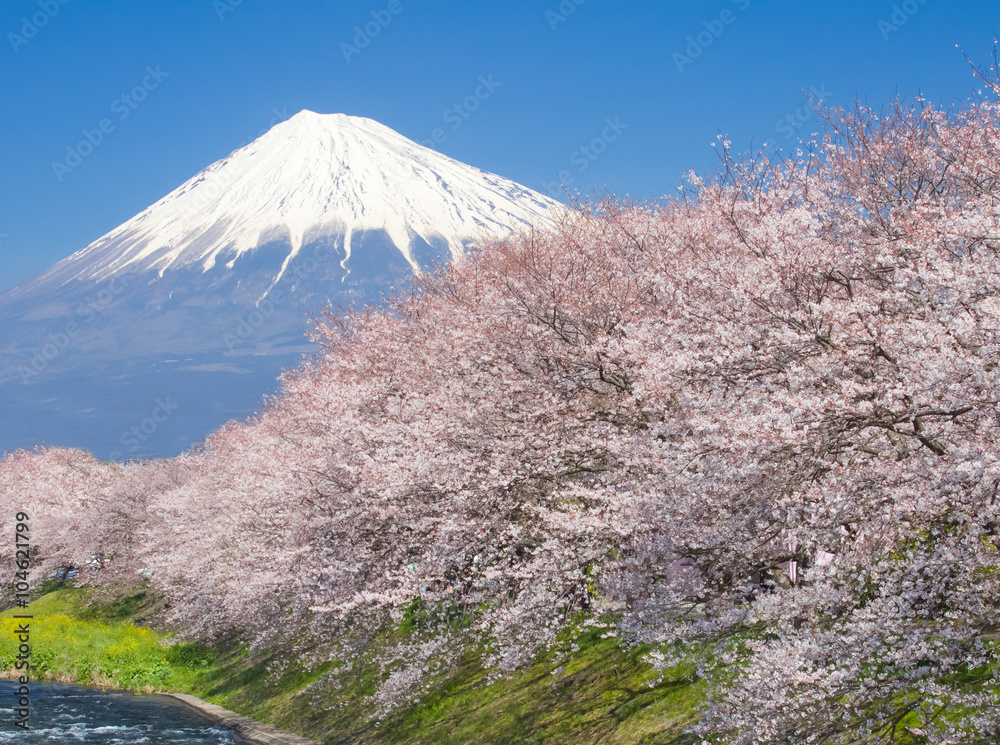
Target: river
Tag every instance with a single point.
(71, 714)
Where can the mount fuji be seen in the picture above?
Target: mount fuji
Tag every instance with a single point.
(155, 334)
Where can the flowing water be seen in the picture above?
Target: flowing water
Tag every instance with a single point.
(71, 714)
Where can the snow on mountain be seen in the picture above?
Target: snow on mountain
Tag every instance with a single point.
(311, 176)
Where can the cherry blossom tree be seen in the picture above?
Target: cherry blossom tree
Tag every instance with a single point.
(84, 514)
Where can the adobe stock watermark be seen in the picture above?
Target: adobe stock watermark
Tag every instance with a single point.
(364, 34)
(562, 12)
(458, 113)
(134, 437)
(223, 8)
(22, 632)
(122, 106)
(714, 28)
(59, 341)
(788, 124)
(210, 190)
(248, 325)
(901, 13)
(31, 25)
(585, 155)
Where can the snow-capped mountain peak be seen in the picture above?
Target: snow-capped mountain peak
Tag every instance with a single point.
(310, 176)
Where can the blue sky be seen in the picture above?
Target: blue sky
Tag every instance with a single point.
(669, 75)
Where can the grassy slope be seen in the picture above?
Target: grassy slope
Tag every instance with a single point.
(598, 694)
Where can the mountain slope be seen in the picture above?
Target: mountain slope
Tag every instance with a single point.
(219, 276)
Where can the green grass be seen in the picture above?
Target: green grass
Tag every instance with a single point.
(598, 694)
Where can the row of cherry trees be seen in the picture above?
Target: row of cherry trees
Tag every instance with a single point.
(759, 421)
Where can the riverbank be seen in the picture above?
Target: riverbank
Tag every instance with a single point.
(250, 731)
(597, 692)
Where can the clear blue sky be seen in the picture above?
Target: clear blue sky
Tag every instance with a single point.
(232, 68)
